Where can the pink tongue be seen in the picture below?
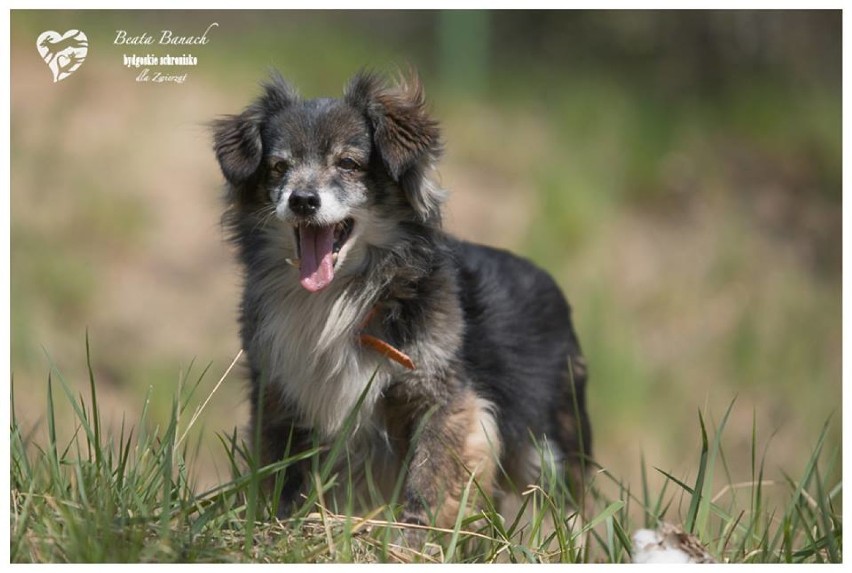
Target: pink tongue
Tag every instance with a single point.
(316, 266)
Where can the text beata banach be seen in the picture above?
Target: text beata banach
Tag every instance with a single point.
(148, 60)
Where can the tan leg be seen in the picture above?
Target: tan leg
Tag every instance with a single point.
(458, 441)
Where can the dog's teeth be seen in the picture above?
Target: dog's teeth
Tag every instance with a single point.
(293, 262)
(334, 257)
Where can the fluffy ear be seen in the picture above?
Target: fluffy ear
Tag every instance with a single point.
(407, 139)
(237, 139)
(238, 146)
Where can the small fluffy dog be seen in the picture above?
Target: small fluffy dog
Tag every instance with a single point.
(463, 357)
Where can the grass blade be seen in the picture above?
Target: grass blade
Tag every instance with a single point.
(692, 514)
(703, 514)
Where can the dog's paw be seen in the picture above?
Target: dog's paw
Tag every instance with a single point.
(413, 536)
(412, 542)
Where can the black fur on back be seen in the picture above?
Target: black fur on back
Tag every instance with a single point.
(519, 343)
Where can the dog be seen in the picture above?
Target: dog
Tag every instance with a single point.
(454, 361)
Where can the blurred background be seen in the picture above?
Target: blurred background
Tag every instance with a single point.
(678, 172)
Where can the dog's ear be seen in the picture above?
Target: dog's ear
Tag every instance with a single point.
(407, 139)
(237, 139)
(238, 146)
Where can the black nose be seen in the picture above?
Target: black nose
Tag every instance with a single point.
(303, 202)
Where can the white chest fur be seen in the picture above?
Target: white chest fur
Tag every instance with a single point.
(307, 343)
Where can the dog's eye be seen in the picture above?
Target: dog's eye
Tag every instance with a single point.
(348, 164)
(280, 167)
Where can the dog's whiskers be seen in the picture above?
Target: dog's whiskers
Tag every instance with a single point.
(266, 213)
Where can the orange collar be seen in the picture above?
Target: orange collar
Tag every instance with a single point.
(380, 345)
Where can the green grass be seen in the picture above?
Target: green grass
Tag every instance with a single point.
(128, 495)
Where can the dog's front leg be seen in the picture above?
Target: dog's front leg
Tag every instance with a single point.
(455, 441)
(276, 435)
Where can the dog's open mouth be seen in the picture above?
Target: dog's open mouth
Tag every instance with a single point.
(317, 247)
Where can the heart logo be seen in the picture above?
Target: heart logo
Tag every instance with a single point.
(63, 53)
